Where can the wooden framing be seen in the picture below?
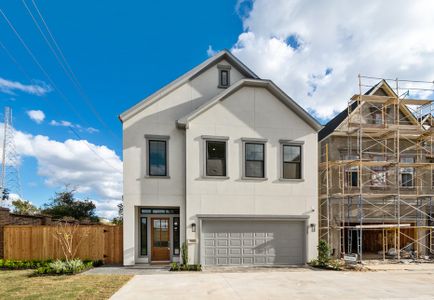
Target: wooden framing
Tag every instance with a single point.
(389, 144)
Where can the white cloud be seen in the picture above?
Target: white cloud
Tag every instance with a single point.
(72, 125)
(210, 52)
(39, 88)
(95, 170)
(314, 50)
(60, 123)
(36, 115)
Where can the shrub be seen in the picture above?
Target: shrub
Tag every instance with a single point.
(184, 250)
(61, 267)
(324, 260)
(34, 264)
(184, 267)
(22, 264)
(323, 253)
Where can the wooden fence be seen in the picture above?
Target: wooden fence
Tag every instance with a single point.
(39, 242)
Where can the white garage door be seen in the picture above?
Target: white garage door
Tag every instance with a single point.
(252, 242)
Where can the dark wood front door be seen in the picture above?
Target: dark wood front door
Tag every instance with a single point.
(160, 239)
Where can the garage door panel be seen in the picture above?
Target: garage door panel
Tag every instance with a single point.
(253, 242)
(222, 243)
(222, 252)
(247, 251)
(259, 242)
(221, 260)
(235, 260)
(209, 243)
(235, 251)
(248, 243)
(235, 242)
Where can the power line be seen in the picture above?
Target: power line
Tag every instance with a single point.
(96, 153)
(12, 58)
(61, 59)
(53, 84)
(64, 98)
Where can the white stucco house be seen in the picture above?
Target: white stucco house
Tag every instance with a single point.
(224, 161)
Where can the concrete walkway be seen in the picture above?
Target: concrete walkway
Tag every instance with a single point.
(282, 284)
(133, 270)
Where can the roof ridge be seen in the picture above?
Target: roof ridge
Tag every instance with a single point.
(154, 97)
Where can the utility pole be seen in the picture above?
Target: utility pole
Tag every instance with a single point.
(10, 177)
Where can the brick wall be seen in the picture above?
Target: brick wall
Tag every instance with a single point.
(8, 218)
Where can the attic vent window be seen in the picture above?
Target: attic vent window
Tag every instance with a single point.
(224, 76)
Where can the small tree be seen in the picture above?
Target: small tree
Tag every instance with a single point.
(66, 233)
(323, 253)
(184, 253)
(64, 204)
(4, 194)
(120, 218)
(24, 207)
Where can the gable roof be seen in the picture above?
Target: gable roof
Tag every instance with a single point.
(269, 85)
(196, 71)
(334, 123)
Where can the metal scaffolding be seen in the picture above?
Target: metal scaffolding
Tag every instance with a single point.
(376, 173)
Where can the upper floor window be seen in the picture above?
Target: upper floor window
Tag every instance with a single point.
(291, 161)
(254, 159)
(157, 155)
(224, 76)
(407, 173)
(215, 158)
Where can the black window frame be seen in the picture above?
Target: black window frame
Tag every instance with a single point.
(176, 231)
(227, 70)
(143, 242)
(207, 159)
(149, 141)
(300, 162)
(352, 177)
(248, 160)
(222, 83)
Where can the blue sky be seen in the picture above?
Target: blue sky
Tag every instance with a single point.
(122, 51)
(119, 52)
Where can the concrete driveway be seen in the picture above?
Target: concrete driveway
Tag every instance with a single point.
(281, 284)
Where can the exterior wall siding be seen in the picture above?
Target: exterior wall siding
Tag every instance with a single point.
(250, 113)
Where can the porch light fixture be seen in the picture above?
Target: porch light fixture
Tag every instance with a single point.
(193, 227)
(312, 227)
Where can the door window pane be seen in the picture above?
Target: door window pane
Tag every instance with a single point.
(161, 233)
(291, 162)
(143, 236)
(254, 160)
(157, 158)
(216, 158)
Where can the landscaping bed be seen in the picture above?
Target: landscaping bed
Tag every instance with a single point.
(184, 267)
(50, 267)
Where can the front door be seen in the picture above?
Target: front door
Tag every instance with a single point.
(160, 240)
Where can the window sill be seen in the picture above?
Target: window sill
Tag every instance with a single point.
(216, 177)
(157, 177)
(291, 180)
(254, 178)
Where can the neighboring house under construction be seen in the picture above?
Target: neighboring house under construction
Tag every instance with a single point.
(376, 173)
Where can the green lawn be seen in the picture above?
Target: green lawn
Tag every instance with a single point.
(18, 285)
